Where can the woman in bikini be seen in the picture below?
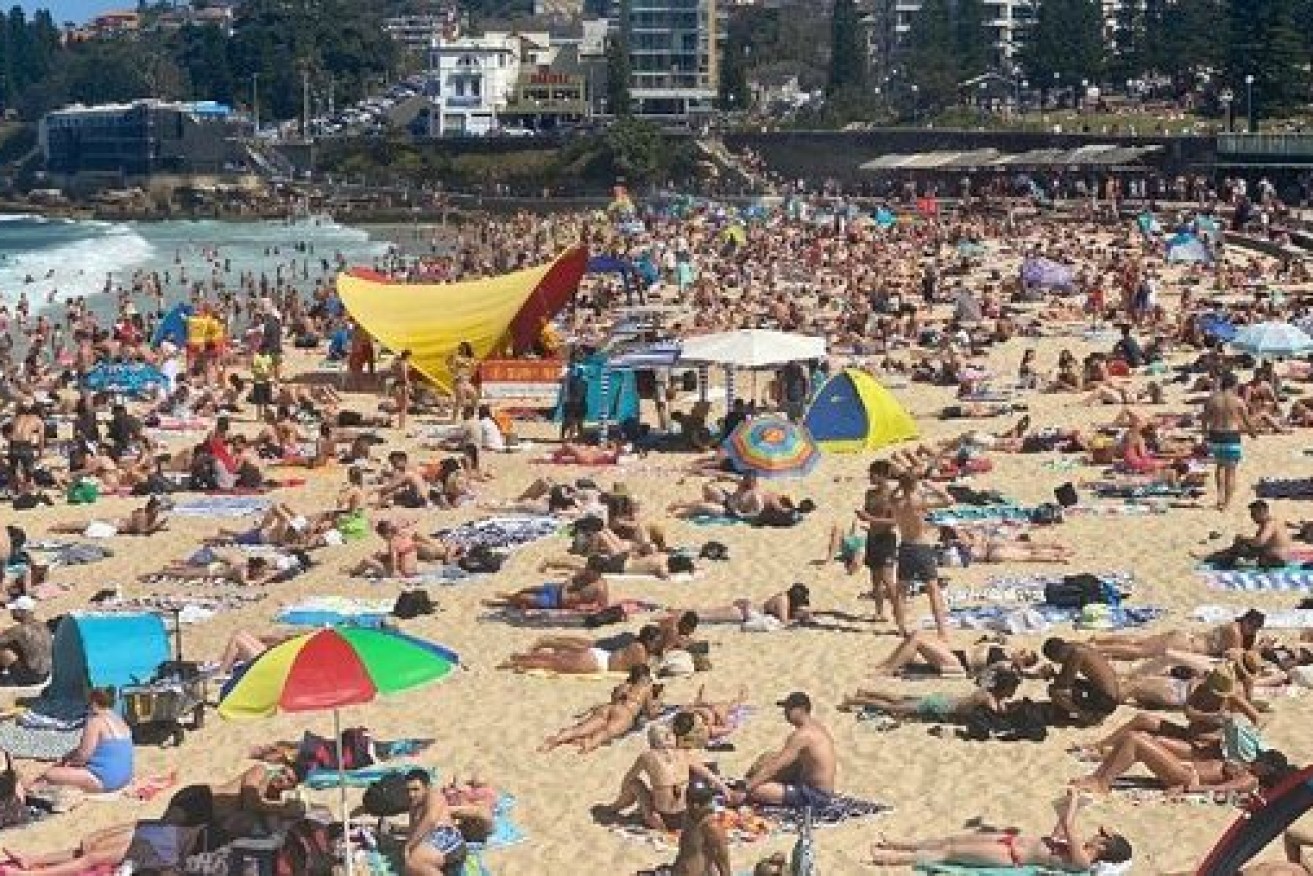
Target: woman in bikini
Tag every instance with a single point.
(1177, 774)
(787, 606)
(924, 652)
(657, 781)
(632, 705)
(399, 560)
(983, 548)
(1063, 849)
(1237, 634)
(146, 520)
(464, 394)
(577, 656)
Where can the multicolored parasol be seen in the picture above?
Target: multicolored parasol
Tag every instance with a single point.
(332, 668)
(772, 447)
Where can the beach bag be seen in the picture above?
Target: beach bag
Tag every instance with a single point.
(387, 797)
(1047, 514)
(481, 559)
(83, 492)
(1074, 591)
(307, 851)
(413, 603)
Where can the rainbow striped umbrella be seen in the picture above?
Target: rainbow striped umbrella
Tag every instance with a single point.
(772, 447)
(332, 668)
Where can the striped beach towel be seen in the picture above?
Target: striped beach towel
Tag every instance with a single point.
(1257, 580)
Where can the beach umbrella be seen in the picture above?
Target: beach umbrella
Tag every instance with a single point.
(1272, 340)
(332, 668)
(752, 348)
(772, 447)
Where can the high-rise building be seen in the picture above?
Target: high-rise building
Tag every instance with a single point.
(674, 54)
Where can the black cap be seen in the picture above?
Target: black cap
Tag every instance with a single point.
(796, 700)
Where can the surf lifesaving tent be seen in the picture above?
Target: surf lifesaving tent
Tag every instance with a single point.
(1254, 830)
(104, 650)
(852, 412)
(431, 319)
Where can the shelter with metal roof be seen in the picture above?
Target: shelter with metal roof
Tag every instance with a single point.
(1090, 157)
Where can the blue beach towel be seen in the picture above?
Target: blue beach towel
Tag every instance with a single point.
(715, 520)
(312, 618)
(221, 506)
(1000, 617)
(1255, 580)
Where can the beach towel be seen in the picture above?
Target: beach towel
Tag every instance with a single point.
(1284, 488)
(221, 506)
(44, 745)
(564, 617)
(442, 576)
(1276, 619)
(715, 520)
(501, 533)
(319, 779)
(612, 677)
(1039, 618)
(335, 611)
(1256, 580)
(645, 577)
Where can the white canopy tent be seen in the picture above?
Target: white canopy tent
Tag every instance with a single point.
(750, 349)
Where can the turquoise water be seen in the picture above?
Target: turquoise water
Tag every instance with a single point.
(53, 260)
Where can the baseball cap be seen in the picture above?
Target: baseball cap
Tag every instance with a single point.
(22, 603)
(796, 700)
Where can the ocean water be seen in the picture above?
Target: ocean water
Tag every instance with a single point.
(53, 260)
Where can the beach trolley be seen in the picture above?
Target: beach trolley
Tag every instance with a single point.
(171, 702)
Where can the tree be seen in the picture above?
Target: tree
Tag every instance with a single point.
(635, 150)
(1186, 38)
(847, 54)
(945, 47)
(617, 76)
(1066, 39)
(1128, 56)
(1266, 43)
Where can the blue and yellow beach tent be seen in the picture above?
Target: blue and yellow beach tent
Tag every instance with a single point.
(852, 412)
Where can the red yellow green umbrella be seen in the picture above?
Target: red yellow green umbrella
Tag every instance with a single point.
(332, 668)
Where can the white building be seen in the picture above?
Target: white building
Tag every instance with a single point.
(476, 77)
(416, 33)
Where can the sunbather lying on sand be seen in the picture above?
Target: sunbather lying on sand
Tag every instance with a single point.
(701, 721)
(986, 548)
(146, 520)
(238, 570)
(570, 655)
(1063, 849)
(101, 848)
(280, 526)
(927, 651)
(545, 496)
(632, 704)
(787, 606)
(618, 555)
(586, 589)
(399, 560)
(1237, 634)
(937, 706)
(1179, 774)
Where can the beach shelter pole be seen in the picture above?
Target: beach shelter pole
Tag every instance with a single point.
(341, 793)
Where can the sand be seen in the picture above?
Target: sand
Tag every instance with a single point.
(490, 721)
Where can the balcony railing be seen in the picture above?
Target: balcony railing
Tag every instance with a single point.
(1285, 145)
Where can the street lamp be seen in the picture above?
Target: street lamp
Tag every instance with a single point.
(1057, 79)
(916, 104)
(1249, 101)
(1022, 88)
(1227, 97)
(980, 101)
(1084, 90)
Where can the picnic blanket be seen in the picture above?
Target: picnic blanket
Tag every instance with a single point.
(1030, 588)
(442, 576)
(221, 506)
(502, 533)
(332, 611)
(70, 553)
(959, 515)
(1256, 580)
(1039, 618)
(1284, 488)
(37, 744)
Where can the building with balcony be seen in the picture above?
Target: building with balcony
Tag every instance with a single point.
(547, 96)
(675, 49)
(142, 138)
(478, 76)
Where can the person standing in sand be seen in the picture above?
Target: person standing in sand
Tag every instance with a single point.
(800, 775)
(1225, 416)
(703, 844)
(918, 547)
(881, 556)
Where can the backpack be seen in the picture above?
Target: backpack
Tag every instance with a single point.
(1047, 514)
(482, 559)
(387, 796)
(1075, 591)
(411, 604)
(307, 851)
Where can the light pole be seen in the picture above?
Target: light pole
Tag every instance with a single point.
(916, 104)
(980, 101)
(1057, 81)
(1249, 101)
(255, 103)
(1227, 97)
(1084, 90)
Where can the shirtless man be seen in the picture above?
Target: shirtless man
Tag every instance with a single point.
(404, 486)
(919, 542)
(1270, 546)
(703, 844)
(1225, 416)
(881, 543)
(234, 808)
(587, 588)
(435, 845)
(1085, 685)
(659, 780)
(802, 773)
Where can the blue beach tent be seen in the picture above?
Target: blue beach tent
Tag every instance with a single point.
(105, 650)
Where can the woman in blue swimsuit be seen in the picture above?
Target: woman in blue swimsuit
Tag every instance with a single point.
(103, 760)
